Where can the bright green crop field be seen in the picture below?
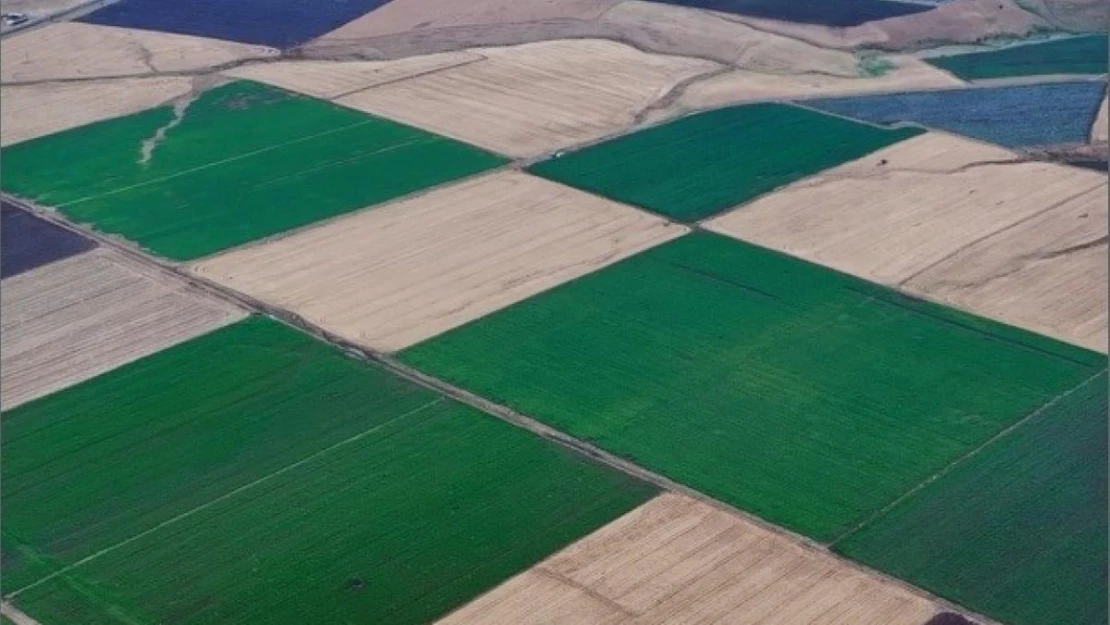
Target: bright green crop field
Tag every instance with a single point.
(1019, 530)
(244, 161)
(703, 164)
(807, 397)
(1074, 55)
(257, 476)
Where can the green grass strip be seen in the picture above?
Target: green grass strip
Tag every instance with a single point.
(700, 165)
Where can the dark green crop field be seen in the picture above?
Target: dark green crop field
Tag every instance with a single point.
(807, 397)
(703, 164)
(257, 476)
(1019, 530)
(243, 162)
(1074, 55)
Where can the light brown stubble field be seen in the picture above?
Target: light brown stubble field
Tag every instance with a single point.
(74, 50)
(678, 561)
(73, 319)
(937, 197)
(392, 276)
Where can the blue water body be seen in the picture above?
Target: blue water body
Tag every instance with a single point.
(826, 12)
(275, 23)
(1016, 116)
(27, 242)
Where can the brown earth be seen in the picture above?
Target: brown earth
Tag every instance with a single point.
(70, 320)
(1099, 128)
(1074, 15)
(941, 216)
(676, 561)
(392, 276)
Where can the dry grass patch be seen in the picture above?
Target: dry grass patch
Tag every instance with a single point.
(910, 209)
(393, 276)
(73, 50)
(676, 560)
(77, 318)
(530, 99)
(34, 111)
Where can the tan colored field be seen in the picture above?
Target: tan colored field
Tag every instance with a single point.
(1099, 128)
(392, 276)
(74, 50)
(676, 561)
(36, 110)
(744, 86)
(911, 209)
(331, 79)
(531, 99)
(76, 318)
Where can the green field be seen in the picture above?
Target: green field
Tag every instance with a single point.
(1018, 531)
(809, 398)
(257, 476)
(703, 164)
(246, 161)
(1074, 55)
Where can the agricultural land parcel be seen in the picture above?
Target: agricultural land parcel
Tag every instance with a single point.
(255, 475)
(675, 560)
(27, 242)
(710, 361)
(1015, 116)
(76, 318)
(242, 162)
(957, 220)
(1019, 530)
(259, 22)
(844, 13)
(700, 165)
(394, 276)
(1074, 55)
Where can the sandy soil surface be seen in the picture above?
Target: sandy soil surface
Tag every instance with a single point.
(36, 110)
(77, 318)
(393, 276)
(907, 210)
(531, 99)
(678, 561)
(959, 21)
(1099, 128)
(1048, 273)
(738, 86)
(74, 50)
(330, 79)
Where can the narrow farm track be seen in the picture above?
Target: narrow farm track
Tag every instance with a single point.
(475, 401)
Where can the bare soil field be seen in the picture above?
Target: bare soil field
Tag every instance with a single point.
(72, 50)
(393, 276)
(528, 100)
(31, 111)
(737, 86)
(678, 561)
(77, 318)
(331, 79)
(1099, 128)
(886, 218)
(1076, 15)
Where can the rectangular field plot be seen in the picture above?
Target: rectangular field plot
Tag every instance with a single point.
(678, 560)
(700, 165)
(394, 276)
(77, 318)
(825, 12)
(256, 475)
(1074, 55)
(1018, 531)
(27, 242)
(241, 162)
(1015, 116)
(809, 398)
(954, 220)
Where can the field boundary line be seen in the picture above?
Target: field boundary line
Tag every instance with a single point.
(499, 411)
(16, 615)
(966, 456)
(227, 495)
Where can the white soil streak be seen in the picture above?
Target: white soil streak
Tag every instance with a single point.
(204, 506)
(16, 616)
(146, 151)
